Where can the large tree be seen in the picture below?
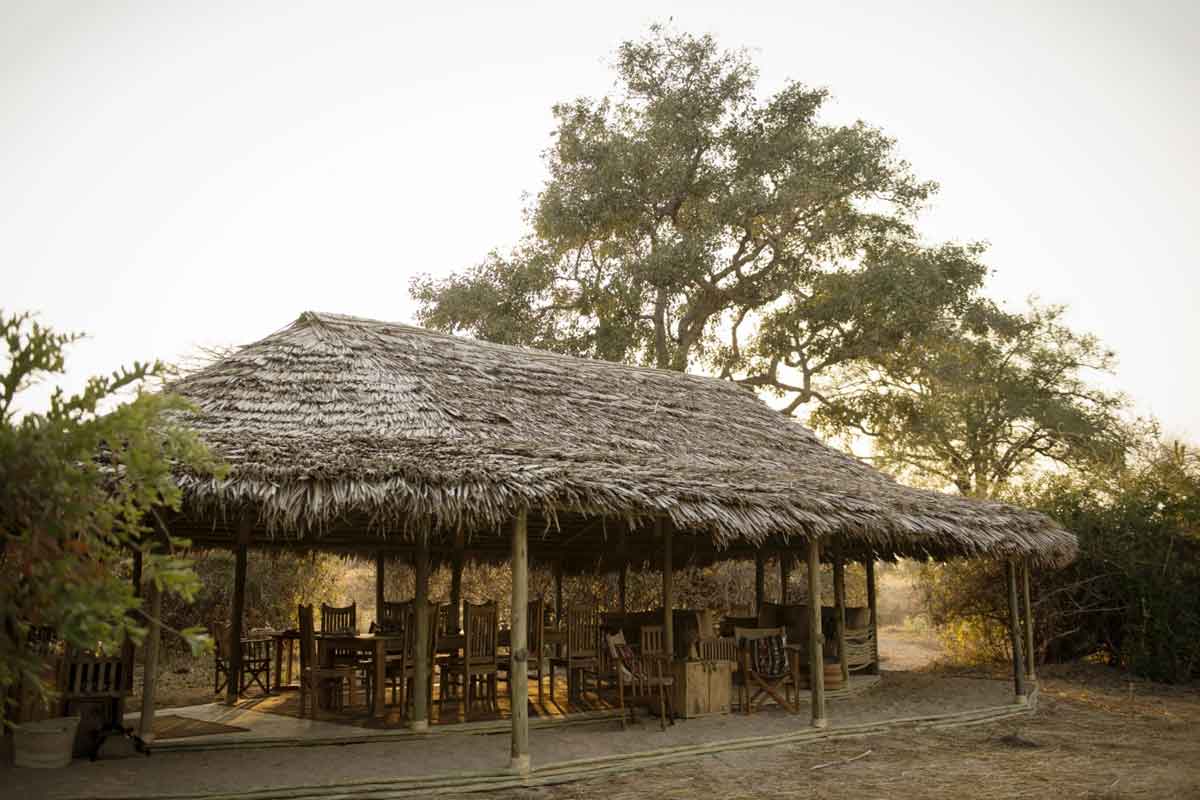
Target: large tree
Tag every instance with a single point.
(80, 483)
(687, 223)
(976, 400)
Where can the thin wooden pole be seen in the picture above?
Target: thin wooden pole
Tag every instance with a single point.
(785, 575)
(816, 640)
(380, 574)
(234, 684)
(150, 663)
(137, 573)
(869, 566)
(1014, 620)
(558, 592)
(839, 617)
(519, 683)
(760, 582)
(668, 591)
(1030, 659)
(623, 586)
(456, 573)
(421, 654)
(128, 651)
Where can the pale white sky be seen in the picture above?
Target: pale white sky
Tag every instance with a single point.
(186, 174)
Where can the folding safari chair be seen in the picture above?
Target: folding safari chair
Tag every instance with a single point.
(763, 661)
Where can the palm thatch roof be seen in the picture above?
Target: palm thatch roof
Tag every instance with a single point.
(337, 418)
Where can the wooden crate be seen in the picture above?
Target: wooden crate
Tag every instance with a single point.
(702, 687)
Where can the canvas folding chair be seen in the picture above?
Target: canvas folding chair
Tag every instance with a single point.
(763, 662)
(256, 661)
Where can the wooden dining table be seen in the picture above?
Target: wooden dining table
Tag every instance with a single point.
(376, 645)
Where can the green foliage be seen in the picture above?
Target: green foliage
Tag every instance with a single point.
(79, 485)
(977, 399)
(687, 223)
(276, 583)
(1131, 599)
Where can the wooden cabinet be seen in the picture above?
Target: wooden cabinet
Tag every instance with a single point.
(702, 687)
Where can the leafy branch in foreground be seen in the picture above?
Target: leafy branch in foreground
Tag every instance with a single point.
(81, 485)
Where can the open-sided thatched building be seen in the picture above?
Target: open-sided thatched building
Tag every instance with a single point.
(353, 434)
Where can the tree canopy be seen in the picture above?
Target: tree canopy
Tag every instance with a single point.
(687, 223)
(981, 397)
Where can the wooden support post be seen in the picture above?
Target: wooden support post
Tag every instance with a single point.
(150, 662)
(380, 574)
(1030, 659)
(559, 611)
(234, 685)
(839, 617)
(816, 640)
(519, 681)
(456, 573)
(623, 586)
(760, 582)
(785, 575)
(1014, 624)
(869, 566)
(137, 573)
(128, 652)
(668, 592)
(421, 654)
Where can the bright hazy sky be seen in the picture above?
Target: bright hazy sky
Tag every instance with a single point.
(186, 174)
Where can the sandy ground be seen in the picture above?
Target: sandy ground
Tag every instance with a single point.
(899, 695)
(1091, 738)
(1095, 735)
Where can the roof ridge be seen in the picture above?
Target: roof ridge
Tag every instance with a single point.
(326, 317)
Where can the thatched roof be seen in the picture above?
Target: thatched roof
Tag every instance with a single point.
(337, 418)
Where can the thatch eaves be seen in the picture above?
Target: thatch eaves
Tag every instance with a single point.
(336, 417)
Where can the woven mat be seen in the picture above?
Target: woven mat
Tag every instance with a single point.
(173, 726)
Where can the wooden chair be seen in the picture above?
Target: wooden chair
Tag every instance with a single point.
(342, 619)
(478, 665)
(256, 661)
(401, 666)
(582, 656)
(763, 663)
(536, 618)
(313, 677)
(336, 619)
(642, 674)
(94, 686)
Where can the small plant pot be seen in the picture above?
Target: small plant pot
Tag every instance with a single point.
(44, 744)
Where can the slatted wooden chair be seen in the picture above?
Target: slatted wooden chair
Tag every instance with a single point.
(582, 655)
(763, 663)
(536, 664)
(315, 678)
(478, 666)
(401, 664)
(392, 617)
(641, 675)
(341, 619)
(94, 686)
(256, 661)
